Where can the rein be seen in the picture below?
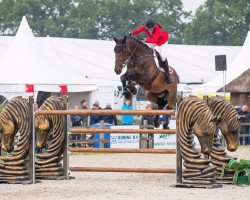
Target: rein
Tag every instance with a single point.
(129, 58)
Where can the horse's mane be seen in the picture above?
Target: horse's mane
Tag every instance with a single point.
(139, 41)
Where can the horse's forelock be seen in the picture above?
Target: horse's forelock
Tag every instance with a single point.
(119, 46)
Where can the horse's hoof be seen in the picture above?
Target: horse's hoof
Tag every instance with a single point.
(165, 126)
(127, 94)
(157, 124)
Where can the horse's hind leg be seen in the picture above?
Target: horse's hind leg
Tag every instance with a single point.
(161, 102)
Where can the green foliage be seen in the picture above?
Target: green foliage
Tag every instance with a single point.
(242, 168)
(91, 19)
(219, 23)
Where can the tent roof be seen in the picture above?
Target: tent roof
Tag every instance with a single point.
(24, 62)
(239, 85)
(236, 68)
(95, 58)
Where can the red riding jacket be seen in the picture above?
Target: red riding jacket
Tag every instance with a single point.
(158, 37)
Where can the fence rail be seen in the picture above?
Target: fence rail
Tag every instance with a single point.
(120, 150)
(103, 112)
(121, 131)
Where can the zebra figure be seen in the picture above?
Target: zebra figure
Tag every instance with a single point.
(195, 118)
(229, 125)
(48, 163)
(16, 120)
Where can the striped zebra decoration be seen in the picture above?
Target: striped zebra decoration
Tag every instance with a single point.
(14, 119)
(194, 117)
(49, 163)
(230, 127)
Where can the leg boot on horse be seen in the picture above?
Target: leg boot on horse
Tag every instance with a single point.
(166, 69)
(131, 87)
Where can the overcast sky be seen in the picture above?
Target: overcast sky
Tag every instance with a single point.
(192, 5)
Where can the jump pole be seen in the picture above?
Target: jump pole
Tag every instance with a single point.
(119, 169)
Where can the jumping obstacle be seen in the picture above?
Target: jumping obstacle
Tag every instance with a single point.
(117, 131)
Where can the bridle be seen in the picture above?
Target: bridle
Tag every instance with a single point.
(129, 59)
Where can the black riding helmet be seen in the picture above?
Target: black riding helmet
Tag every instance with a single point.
(149, 23)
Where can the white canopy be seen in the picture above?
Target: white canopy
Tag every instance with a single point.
(239, 65)
(24, 62)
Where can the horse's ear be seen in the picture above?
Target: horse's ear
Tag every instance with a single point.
(124, 39)
(115, 39)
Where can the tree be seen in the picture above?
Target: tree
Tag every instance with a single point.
(91, 19)
(45, 17)
(118, 17)
(219, 22)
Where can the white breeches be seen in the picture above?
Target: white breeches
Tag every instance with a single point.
(162, 48)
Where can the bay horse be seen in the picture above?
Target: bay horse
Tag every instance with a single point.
(141, 68)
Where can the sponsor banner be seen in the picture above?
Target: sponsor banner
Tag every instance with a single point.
(167, 141)
(125, 140)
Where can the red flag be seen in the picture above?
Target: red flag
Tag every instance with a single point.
(29, 88)
(64, 88)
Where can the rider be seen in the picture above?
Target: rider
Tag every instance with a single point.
(156, 36)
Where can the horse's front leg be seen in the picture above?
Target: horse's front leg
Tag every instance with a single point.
(124, 79)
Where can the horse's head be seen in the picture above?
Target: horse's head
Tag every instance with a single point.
(8, 131)
(42, 127)
(205, 129)
(230, 130)
(121, 54)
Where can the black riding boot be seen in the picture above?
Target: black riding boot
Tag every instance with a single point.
(166, 69)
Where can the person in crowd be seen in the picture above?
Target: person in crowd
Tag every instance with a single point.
(166, 119)
(76, 121)
(156, 36)
(94, 119)
(97, 103)
(84, 106)
(245, 128)
(148, 118)
(238, 109)
(127, 119)
(111, 119)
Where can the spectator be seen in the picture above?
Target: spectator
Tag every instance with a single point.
(111, 119)
(149, 118)
(127, 119)
(244, 128)
(76, 121)
(94, 119)
(84, 105)
(166, 119)
(238, 109)
(97, 103)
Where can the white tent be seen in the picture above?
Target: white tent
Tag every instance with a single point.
(24, 62)
(239, 65)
